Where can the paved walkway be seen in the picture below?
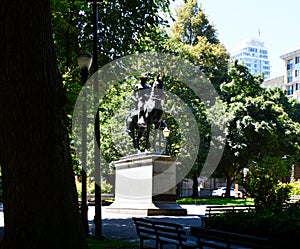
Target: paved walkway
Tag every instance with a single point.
(121, 226)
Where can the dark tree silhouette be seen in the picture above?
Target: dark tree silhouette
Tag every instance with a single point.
(40, 202)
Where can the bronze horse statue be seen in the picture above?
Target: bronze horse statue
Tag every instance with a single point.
(152, 110)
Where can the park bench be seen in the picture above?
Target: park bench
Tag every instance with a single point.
(162, 233)
(219, 209)
(219, 239)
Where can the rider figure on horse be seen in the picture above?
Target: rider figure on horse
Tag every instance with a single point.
(140, 96)
(148, 111)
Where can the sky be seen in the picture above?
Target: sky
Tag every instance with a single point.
(277, 21)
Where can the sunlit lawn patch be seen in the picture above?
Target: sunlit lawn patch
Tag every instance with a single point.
(216, 201)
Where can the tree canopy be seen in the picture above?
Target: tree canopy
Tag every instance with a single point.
(196, 40)
(135, 28)
(261, 123)
(192, 23)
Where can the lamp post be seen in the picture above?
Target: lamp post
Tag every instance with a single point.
(97, 177)
(166, 133)
(98, 215)
(84, 61)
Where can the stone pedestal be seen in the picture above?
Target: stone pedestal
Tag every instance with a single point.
(146, 185)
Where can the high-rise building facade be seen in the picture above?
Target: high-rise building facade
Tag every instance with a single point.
(292, 73)
(254, 55)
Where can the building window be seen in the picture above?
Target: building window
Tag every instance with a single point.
(297, 59)
(289, 65)
(252, 49)
(290, 77)
(296, 73)
(297, 86)
(290, 90)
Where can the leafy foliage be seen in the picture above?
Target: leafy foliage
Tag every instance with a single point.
(295, 187)
(261, 123)
(197, 42)
(211, 58)
(261, 183)
(105, 187)
(282, 228)
(192, 24)
(135, 27)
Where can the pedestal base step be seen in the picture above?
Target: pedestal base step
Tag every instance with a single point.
(151, 210)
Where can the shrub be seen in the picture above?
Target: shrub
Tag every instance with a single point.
(105, 187)
(295, 187)
(282, 228)
(262, 185)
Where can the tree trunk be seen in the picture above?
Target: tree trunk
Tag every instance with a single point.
(195, 185)
(40, 201)
(229, 182)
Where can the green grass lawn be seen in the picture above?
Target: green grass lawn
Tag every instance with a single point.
(216, 201)
(111, 244)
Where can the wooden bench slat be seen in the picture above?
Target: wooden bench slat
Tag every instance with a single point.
(219, 209)
(164, 233)
(145, 230)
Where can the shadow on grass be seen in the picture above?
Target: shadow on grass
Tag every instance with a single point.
(111, 244)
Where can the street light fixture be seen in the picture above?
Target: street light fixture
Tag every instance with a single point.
(84, 61)
(166, 133)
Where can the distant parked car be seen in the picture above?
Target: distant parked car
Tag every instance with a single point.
(222, 190)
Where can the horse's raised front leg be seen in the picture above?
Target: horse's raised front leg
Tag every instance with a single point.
(147, 138)
(136, 143)
(140, 133)
(155, 140)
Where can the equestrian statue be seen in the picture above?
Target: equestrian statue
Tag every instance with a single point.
(148, 110)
